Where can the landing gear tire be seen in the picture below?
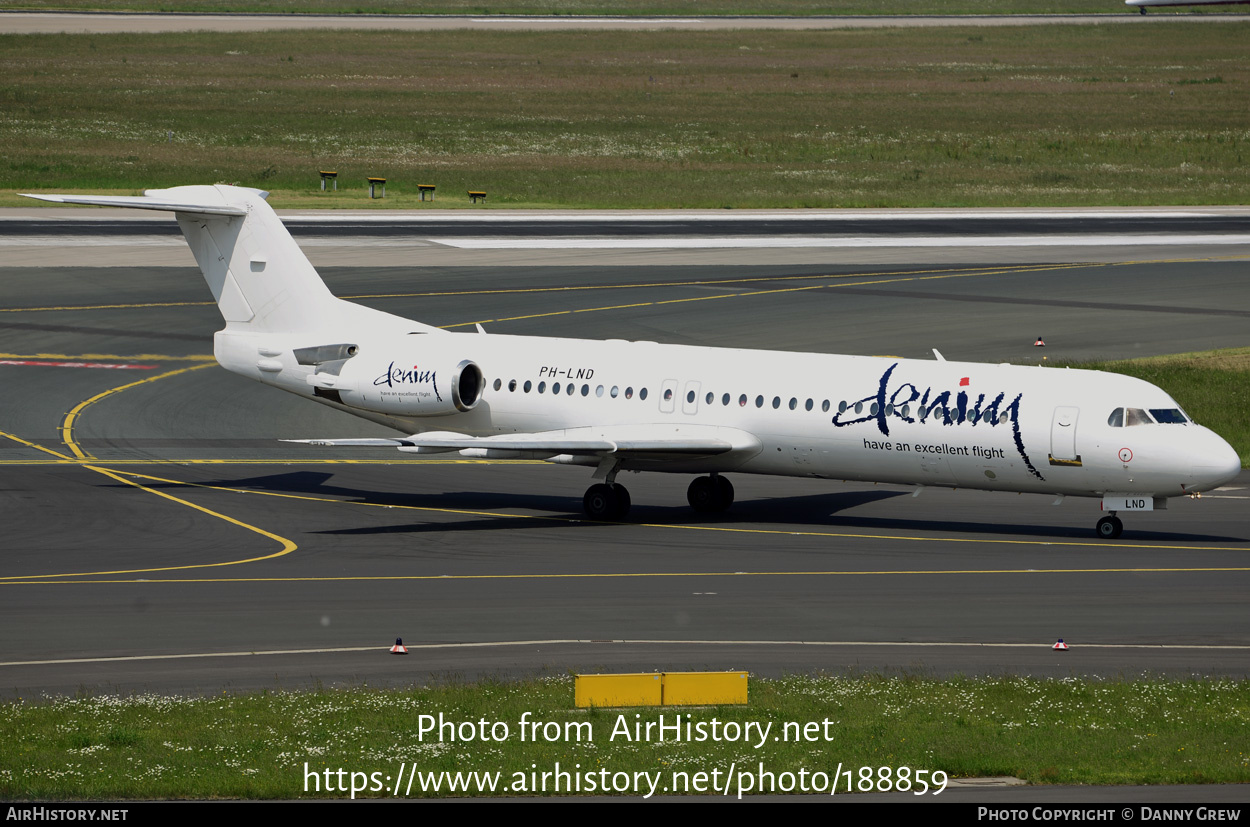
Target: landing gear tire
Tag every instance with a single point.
(606, 501)
(710, 495)
(1109, 528)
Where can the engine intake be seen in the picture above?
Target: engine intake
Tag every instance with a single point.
(466, 386)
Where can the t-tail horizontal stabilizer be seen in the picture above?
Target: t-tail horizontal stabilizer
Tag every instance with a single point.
(151, 200)
(261, 280)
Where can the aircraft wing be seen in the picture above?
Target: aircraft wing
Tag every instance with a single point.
(636, 442)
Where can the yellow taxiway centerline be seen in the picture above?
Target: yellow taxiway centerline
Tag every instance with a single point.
(67, 424)
(288, 546)
(66, 430)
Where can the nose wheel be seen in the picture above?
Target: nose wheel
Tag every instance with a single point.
(1110, 527)
(606, 501)
(710, 495)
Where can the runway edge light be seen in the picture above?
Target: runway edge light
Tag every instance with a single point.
(1060, 646)
(399, 648)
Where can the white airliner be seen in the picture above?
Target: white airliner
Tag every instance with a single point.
(641, 406)
(1142, 5)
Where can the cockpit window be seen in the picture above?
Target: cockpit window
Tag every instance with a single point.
(1128, 417)
(1169, 416)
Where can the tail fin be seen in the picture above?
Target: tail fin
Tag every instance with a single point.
(260, 278)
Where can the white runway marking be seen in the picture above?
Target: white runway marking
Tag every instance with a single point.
(93, 241)
(44, 364)
(677, 243)
(98, 23)
(661, 242)
(752, 216)
(827, 643)
(597, 21)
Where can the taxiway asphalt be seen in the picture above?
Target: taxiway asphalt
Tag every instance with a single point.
(189, 550)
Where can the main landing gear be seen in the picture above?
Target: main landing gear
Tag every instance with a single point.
(710, 495)
(606, 501)
(1110, 527)
(610, 500)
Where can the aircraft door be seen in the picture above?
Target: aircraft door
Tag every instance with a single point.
(690, 398)
(668, 396)
(1063, 435)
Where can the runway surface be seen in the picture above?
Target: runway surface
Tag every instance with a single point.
(105, 23)
(159, 537)
(1098, 224)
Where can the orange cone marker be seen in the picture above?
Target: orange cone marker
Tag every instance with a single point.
(1039, 342)
(400, 649)
(1060, 646)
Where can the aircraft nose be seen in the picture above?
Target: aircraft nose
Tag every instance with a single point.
(1218, 466)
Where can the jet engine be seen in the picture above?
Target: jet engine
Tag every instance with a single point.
(407, 387)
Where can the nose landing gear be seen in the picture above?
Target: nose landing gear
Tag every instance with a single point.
(1110, 527)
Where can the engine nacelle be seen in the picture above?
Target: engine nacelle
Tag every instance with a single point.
(426, 388)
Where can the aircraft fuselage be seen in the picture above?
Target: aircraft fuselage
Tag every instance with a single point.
(881, 419)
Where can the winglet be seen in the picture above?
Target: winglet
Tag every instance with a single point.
(938, 356)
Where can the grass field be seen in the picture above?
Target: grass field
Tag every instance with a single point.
(256, 746)
(702, 8)
(1054, 115)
